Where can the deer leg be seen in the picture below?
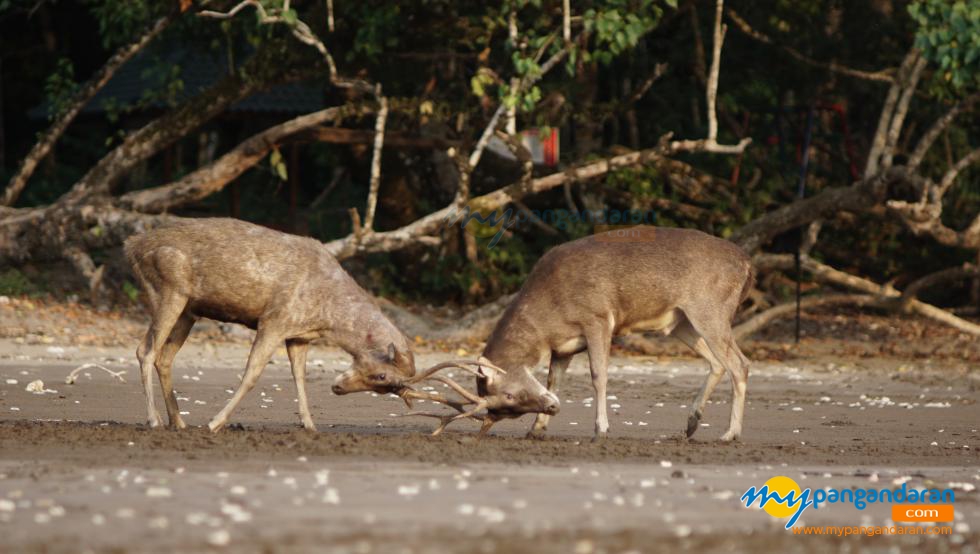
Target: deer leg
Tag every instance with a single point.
(153, 418)
(686, 333)
(164, 365)
(262, 349)
(556, 370)
(598, 342)
(165, 316)
(297, 350)
(718, 337)
(740, 378)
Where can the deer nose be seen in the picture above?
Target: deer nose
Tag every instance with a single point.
(337, 389)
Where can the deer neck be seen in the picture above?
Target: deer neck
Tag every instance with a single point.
(515, 343)
(362, 329)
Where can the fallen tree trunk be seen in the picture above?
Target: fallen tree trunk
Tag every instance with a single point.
(886, 296)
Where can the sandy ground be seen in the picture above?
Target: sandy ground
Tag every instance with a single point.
(79, 472)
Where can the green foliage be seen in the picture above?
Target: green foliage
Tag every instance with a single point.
(278, 165)
(15, 283)
(949, 35)
(59, 88)
(377, 29)
(121, 21)
(130, 291)
(618, 26)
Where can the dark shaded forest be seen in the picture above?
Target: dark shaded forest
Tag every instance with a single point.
(834, 141)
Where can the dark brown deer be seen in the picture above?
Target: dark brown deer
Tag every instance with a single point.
(583, 293)
(288, 288)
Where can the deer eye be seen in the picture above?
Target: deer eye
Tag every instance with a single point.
(379, 376)
(509, 396)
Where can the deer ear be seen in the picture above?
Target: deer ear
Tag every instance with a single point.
(405, 360)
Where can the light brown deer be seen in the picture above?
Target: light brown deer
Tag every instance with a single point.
(583, 293)
(288, 288)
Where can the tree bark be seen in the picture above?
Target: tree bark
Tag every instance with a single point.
(886, 296)
(216, 175)
(859, 197)
(160, 133)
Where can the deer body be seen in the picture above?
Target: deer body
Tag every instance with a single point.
(581, 294)
(288, 288)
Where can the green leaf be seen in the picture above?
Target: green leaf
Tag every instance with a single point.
(130, 291)
(276, 161)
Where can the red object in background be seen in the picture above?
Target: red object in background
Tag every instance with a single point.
(544, 147)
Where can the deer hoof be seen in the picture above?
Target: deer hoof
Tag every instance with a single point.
(729, 437)
(692, 423)
(599, 438)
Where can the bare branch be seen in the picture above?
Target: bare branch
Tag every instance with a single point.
(213, 177)
(943, 276)
(762, 319)
(566, 21)
(884, 75)
(711, 91)
(41, 148)
(886, 295)
(941, 124)
(379, 139)
(954, 172)
(419, 230)
(899, 86)
(898, 119)
(710, 144)
(859, 197)
(301, 31)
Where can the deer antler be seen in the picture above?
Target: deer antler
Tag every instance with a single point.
(459, 364)
(409, 393)
(445, 420)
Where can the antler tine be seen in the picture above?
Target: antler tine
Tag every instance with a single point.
(458, 388)
(445, 420)
(444, 365)
(485, 362)
(407, 394)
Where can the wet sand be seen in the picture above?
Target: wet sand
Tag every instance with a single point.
(80, 472)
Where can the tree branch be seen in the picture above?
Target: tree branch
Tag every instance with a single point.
(885, 295)
(301, 31)
(419, 230)
(159, 133)
(898, 88)
(883, 76)
(858, 197)
(941, 124)
(898, 119)
(78, 100)
(375, 182)
(710, 144)
(211, 178)
(762, 319)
